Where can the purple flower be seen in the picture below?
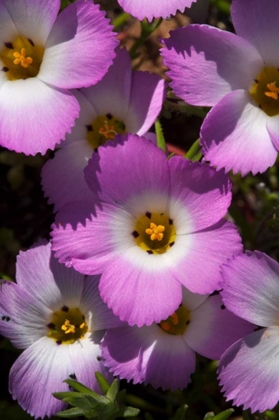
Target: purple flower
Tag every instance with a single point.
(42, 55)
(57, 316)
(237, 75)
(151, 226)
(249, 369)
(154, 9)
(123, 101)
(164, 354)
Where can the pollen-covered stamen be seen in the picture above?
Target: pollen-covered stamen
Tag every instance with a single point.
(176, 323)
(20, 58)
(108, 131)
(273, 90)
(68, 328)
(67, 325)
(155, 232)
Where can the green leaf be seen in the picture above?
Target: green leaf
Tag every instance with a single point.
(113, 390)
(130, 412)
(81, 401)
(80, 387)
(194, 153)
(180, 413)
(224, 415)
(271, 415)
(103, 383)
(160, 136)
(71, 413)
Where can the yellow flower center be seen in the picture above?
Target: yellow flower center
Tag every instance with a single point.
(154, 233)
(265, 90)
(21, 59)
(103, 128)
(177, 323)
(67, 325)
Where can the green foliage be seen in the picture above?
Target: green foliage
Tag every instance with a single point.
(160, 136)
(91, 405)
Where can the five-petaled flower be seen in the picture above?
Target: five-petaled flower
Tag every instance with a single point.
(137, 190)
(163, 354)
(239, 76)
(123, 101)
(58, 317)
(42, 55)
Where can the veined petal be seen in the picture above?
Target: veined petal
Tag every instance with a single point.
(195, 204)
(272, 126)
(249, 370)
(44, 363)
(101, 317)
(32, 19)
(23, 318)
(85, 356)
(213, 328)
(112, 93)
(256, 21)
(62, 177)
(147, 167)
(52, 284)
(234, 135)
(149, 355)
(206, 63)
(155, 8)
(33, 116)
(251, 288)
(213, 246)
(139, 288)
(81, 38)
(145, 104)
(89, 235)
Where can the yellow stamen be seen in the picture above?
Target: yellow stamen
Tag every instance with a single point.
(21, 59)
(108, 131)
(155, 232)
(273, 91)
(68, 328)
(82, 325)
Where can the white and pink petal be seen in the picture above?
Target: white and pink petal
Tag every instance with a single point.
(249, 370)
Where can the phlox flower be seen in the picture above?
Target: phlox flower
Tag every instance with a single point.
(163, 354)
(123, 101)
(238, 76)
(154, 9)
(151, 226)
(42, 55)
(249, 369)
(57, 316)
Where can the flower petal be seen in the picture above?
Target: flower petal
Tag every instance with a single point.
(148, 355)
(91, 303)
(195, 204)
(62, 177)
(251, 288)
(33, 116)
(155, 8)
(213, 328)
(206, 63)
(81, 38)
(256, 21)
(145, 104)
(139, 288)
(32, 19)
(52, 284)
(114, 88)
(147, 184)
(89, 237)
(22, 318)
(44, 363)
(198, 267)
(234, 135)
(249, 370)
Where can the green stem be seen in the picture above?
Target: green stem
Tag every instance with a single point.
(146, 30)
(160, 136)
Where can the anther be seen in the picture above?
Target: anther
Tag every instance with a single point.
(65, 308)
(108, 131)
(155, 232)
(148, 215)
(20, 58)
(273, 91)
(9, 45)
(135, 234)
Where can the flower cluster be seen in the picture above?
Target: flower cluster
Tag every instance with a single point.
(144, 268)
